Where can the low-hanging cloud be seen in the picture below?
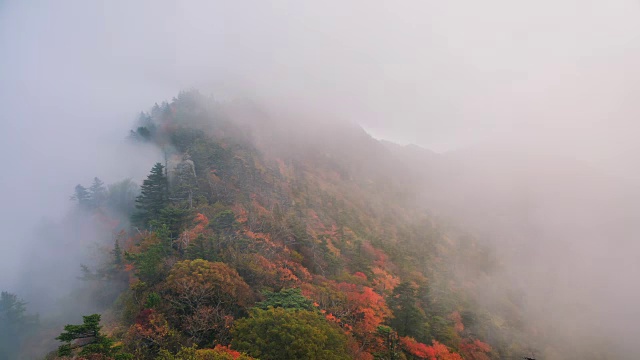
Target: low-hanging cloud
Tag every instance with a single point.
(549, 79)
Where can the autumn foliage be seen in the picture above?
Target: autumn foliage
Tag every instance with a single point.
(436, 351)
(202, 269)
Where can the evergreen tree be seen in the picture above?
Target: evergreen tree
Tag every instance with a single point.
(88, 337)
(15, 325)
(118, 254)
(81, 195)
(175, 219)
(409, 319)
(153, 197)
(97, 193)
(287, 299)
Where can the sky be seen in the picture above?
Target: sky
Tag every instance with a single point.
(440, 74)
(559, 77)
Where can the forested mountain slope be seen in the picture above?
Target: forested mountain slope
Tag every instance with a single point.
(269, 238)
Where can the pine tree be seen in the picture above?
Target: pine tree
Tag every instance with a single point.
(118, 257)
(153, 197)
(97, 193)
(81, 195)
(409, 319)
(90, 339)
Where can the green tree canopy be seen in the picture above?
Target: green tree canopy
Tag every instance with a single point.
(284, 334)
(88, 337)
(409, 319)
(287, 299)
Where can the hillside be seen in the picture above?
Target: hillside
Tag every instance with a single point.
(277, 239)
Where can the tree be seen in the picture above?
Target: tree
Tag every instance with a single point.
(409, 319)
(89, 339)
(201, 282)
(286, 299)
(97, 193)
(149, 256)
(174, 218)
(150, 334)
(121, 197)
(15, 324)
(390, 348)
(364, 309)
(153, 196)
(224, 221)
(117, 253)
(475, 349)
(436, 351)
(193, 353)
(284, 334)
(81, 195)
(207, 296)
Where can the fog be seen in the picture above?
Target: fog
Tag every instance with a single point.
(532, 106)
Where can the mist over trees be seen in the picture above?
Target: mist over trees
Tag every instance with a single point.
(231, 237)
(509, 229)
(236, 232)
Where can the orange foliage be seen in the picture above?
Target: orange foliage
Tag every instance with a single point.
(201, 222)
(437, 351)
(383, 281)
(359, 309)
(227, 350)
(365, 309)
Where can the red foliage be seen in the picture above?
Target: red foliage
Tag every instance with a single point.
(150, 327)
(443, 353)
(417, 349)
(227, 350)
(437, 351)
(365, 309)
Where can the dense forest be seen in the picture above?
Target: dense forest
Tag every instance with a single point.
(259, 238)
